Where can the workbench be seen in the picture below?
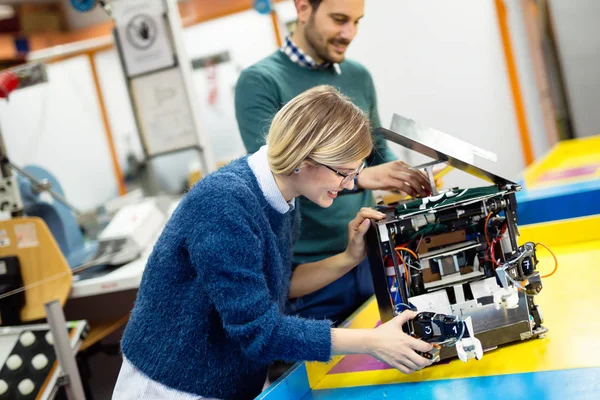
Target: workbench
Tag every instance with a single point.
(565, 364)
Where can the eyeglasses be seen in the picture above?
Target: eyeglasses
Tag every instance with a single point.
(347, 177)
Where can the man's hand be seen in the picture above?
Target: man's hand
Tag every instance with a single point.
(397, 349)
(357, 249)
(395, 176)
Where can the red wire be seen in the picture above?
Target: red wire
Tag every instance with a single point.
(492, 256)
(493, 243)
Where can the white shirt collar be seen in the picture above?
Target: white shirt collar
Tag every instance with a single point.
(259, 164)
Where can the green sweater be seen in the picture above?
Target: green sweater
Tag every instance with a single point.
(261, 91)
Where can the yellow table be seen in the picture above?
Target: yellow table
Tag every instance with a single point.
(563, 365)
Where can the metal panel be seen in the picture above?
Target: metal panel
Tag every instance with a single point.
(441, 147)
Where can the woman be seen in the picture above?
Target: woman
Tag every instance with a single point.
(207, 321)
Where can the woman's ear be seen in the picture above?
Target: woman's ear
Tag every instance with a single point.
(308, 163)
(305, 165)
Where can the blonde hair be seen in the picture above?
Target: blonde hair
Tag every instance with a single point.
(320, 125)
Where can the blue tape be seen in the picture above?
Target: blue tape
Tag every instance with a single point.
(293, 385)
(583, 383)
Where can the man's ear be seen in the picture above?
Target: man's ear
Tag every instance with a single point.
(304, 10)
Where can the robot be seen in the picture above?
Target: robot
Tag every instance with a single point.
(454, 256)
(446, 330)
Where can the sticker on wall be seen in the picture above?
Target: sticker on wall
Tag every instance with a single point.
(165, 113)
(143, 36)
(4, 239)
(26, 235)
(141, 31)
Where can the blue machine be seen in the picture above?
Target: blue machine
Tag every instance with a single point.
(263, 6)
(83, 5)
(59, 218)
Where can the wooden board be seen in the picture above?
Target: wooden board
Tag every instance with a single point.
(42, 263)
(101, 329)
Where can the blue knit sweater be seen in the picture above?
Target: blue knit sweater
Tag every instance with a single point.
(208, 317)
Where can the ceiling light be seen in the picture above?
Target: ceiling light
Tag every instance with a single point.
(6, 12)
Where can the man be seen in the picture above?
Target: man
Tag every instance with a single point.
(315, 54)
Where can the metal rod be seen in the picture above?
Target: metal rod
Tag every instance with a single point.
(39, 186)
(64, 352)
(428, 164)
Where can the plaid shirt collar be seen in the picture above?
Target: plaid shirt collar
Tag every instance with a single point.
(297, 56)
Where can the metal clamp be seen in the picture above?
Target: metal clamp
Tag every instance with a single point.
(10, 196)
(430, 176)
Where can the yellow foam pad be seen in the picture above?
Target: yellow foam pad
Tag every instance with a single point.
(569, 302)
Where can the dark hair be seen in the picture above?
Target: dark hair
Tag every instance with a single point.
(315, 4)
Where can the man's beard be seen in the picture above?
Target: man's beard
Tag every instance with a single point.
(319, 44)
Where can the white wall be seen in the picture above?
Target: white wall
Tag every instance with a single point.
(58, 126)
(438, 62)
(249, 37)
(441, 64)
(118, 106)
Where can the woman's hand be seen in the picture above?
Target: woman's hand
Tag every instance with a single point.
(357, 249)
(397, 349)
